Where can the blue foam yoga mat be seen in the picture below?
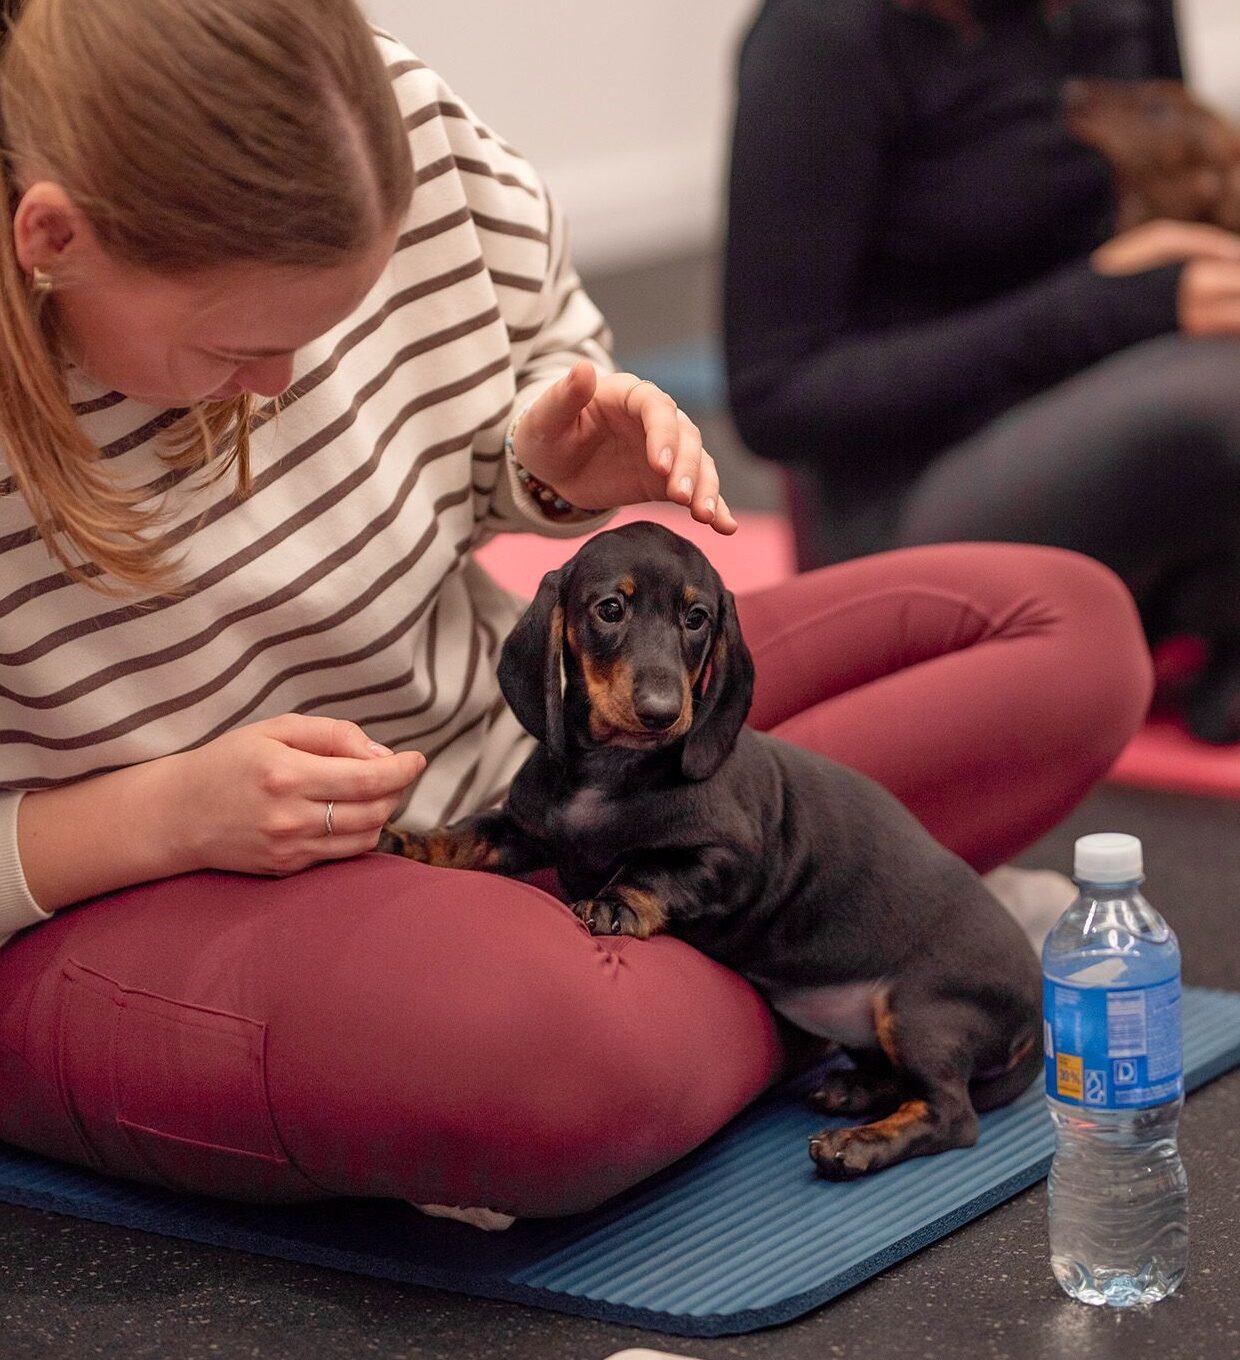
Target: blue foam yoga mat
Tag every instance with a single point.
(737, 1236)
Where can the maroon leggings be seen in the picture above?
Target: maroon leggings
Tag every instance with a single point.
(374, 1027)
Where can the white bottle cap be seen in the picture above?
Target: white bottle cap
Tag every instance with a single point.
(1107, 857)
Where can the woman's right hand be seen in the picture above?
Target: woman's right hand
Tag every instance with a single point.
(255, 799)
(1209, 292)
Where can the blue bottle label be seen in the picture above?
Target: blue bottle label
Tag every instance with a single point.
(1113, 1048)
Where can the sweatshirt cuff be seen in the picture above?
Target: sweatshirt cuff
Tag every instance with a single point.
(17, 908)
(518, 504)
(1110, 312)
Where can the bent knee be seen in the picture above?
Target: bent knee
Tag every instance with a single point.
(597, 1087)
(527, 1068)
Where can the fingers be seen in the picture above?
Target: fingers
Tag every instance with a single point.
(618, 440)
(674, 449)
(1209, 298)
(1161, 242)
(306, 830)
(331, 761)
(354, 827)
(357, 781)
(322, 736)
(334, 758)
(553, 417)
(1203, 240)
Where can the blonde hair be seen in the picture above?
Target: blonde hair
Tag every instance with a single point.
(191, 134)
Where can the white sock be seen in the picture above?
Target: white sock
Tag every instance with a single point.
(1035, 898)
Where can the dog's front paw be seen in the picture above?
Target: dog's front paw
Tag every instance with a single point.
(405, 843)
(444, 848)
(604, 916)
(622, 911)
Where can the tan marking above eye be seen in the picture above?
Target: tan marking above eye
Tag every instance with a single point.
(690, 596)
(627, 586)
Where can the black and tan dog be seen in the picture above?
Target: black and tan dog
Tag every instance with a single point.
(661, 811)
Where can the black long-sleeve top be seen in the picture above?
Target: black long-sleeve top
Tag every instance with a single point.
(910, 225)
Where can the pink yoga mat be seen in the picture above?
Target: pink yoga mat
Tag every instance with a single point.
(760, 553)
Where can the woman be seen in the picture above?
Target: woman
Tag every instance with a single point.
(931, 323)
(288, 334)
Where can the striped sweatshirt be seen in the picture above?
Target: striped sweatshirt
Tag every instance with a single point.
(343, 584)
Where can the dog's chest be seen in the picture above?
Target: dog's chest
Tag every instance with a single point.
(595, 824)
(582, 814)
(582, 829)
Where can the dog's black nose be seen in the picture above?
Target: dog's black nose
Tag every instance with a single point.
(657, 709)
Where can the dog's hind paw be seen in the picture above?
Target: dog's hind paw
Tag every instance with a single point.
(841, 1157)
(392, 842)
(916, 1129)
(853, 1093)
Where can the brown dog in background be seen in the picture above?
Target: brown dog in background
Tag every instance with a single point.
(1171, 155)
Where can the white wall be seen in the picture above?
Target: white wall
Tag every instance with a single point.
(1210, 39)
(625, 107)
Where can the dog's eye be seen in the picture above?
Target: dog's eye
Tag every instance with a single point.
(696, 618)
(610, 610)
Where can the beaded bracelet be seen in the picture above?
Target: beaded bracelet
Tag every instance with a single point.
(547, 498)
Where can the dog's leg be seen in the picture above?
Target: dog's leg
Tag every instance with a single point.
(647, 893)
(491, 842)
(870, 1087)
(931, 1045)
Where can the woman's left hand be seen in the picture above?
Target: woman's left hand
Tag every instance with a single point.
(619, 440)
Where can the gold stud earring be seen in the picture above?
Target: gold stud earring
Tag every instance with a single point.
(41, 282)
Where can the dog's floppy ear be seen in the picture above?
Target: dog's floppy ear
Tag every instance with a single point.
(725, 692)
(531, 672)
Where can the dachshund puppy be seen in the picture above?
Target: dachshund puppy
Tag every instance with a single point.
(1170, 155)
(661, 811)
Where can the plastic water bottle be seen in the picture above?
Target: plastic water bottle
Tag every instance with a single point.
(1114, 1084)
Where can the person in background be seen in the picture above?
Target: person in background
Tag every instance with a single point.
(287, 334)
(933, 325)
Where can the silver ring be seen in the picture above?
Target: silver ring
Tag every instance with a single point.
(634, 388)
(327, 817)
